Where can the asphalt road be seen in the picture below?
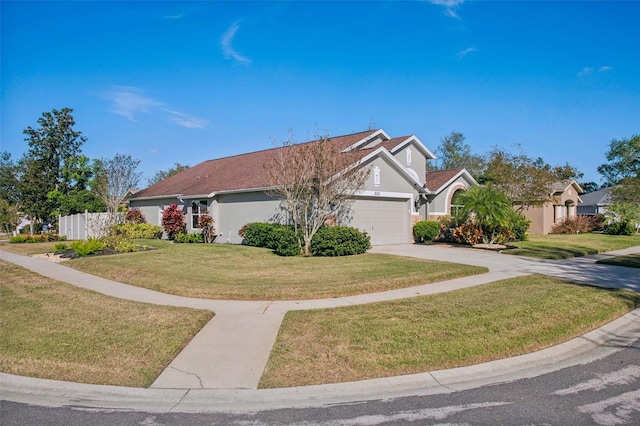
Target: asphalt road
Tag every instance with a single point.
(603, 392)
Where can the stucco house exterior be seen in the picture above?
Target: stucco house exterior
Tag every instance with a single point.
(564, 198)
(233, 189)
(446, 186)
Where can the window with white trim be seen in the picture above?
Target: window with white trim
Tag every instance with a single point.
(198, 208)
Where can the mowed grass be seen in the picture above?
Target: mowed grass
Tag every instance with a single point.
(631, 261)
(56, 331)
(564, 246)
(220, 271)
(31, 248)
(464, 327)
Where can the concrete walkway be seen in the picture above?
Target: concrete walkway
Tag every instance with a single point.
(231, 351)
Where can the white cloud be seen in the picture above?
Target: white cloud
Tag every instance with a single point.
(186, 120)
(589, 70)
(130, 101)
(585, 71)
(226, 42)
(461, 54)
(450, 6)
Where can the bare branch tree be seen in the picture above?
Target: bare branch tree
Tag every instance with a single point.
(117, 176)
(317, 183)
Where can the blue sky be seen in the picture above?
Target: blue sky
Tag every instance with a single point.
(189, 81)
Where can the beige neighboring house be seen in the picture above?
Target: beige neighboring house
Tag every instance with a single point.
(563, 203)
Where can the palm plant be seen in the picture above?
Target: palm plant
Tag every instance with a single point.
(488, 208)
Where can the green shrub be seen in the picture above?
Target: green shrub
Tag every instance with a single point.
(60, 246)
(339, 241)
(258, 234)
(36, 238)
(426, 230)
(138, 231)
(519, 225)
(85, 248)
(620, 228)
(284, 241)
(194, 237)
(120, 243)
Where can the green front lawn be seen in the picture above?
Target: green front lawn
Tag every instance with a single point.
(427, 333)
(631, 261)
(221, 271)
(54, 330)
(565, 246)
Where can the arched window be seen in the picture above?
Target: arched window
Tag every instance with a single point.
(456, 205)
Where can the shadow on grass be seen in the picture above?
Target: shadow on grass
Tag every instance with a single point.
(553, 253)
(630, 261)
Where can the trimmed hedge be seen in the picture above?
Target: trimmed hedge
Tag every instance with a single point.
(258, 234)
(194, 237)
(426, 230)
(36, 238)
(138, 231)
(339, 241)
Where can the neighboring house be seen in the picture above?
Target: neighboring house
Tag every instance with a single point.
(446, 186)
(595, 202)
(233, 189)
(563, 202)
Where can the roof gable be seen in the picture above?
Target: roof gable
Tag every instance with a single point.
(437, 180)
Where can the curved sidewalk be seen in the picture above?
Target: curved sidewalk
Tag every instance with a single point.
(230, 352)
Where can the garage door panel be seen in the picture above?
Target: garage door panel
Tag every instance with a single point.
(386, 221)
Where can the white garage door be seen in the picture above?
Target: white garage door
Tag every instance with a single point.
(385, 220)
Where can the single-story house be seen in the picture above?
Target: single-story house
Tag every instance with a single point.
(595, 202)
(233, 190)
(564, 198)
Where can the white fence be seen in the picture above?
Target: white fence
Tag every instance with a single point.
(83, 226)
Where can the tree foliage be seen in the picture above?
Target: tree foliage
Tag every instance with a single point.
(55, 178)
(8, 216)
(622, 169)
(526, 181)
(454, 153)
(116, 176)
(161, 175)
(316, 182)
(8, 179)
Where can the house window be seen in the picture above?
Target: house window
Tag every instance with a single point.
(198, 208)
(376, 176)
(409, 156)
(456, 204)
